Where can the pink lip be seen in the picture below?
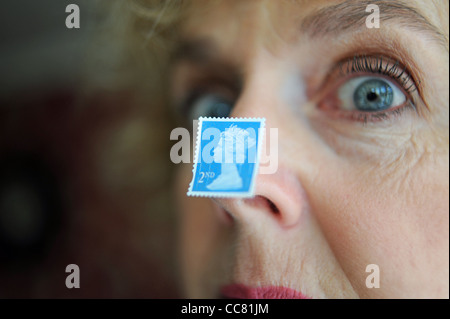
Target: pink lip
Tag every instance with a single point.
(238, 291)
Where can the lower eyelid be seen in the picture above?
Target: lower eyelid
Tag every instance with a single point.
(328, 106)
(369, 117)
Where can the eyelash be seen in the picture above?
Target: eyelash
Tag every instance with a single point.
(374, 64)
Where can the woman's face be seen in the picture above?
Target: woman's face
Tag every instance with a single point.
(363, 148)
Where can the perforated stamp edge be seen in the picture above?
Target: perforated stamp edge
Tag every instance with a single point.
(250, 192)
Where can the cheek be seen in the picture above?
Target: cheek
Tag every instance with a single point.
(397, 221)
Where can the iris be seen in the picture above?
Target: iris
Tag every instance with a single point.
(210, 105)
(373, 95)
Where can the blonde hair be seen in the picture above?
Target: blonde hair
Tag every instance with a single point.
(131, 44)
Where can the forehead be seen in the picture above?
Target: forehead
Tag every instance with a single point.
(228, 20)
(242, 22)
(236, 29)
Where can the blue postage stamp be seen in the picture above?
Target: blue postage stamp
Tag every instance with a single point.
(227, 156)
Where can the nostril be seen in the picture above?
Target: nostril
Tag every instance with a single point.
(263, 202)
(273, 207)
(279, 199)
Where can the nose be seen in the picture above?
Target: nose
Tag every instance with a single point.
(279, 198)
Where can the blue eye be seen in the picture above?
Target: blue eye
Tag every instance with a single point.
(373, 95)
(370, 94)
(210, 105)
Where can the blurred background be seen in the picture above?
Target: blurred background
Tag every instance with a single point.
(79, 179)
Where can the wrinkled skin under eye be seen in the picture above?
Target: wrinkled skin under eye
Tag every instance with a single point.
(370, 94)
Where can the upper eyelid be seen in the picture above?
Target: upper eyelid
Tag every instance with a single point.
(380, 64)
(209, 74)
(334, 77)
(394, 50)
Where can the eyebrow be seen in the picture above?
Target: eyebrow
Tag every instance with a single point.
(332, 20)
(351, 15)
(194, 50)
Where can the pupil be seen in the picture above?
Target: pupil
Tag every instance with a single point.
(371, 96)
